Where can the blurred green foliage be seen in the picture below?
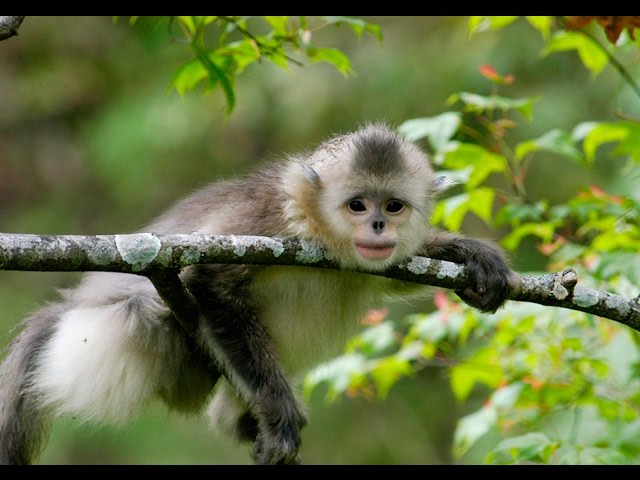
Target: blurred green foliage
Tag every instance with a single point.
(102, 128)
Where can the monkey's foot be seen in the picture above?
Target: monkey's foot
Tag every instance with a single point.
(279, 449)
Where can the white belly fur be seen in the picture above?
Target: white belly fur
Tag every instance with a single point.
(311, 313)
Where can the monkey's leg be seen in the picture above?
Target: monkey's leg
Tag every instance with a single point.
(490, 275)
(230, 414)
(249, 360)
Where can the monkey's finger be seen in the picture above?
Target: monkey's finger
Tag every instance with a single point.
(479, 280)
(470, 296)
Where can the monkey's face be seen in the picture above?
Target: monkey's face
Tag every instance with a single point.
(368, 220)
(375, 224)
(365, 198)
(379, 230)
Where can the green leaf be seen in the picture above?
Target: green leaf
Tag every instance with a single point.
(243, 53)
(534, 446)
(216, 74)
(556, 141)
(630, 145)
(516, 213)
(621, 354)
(188, 76)
(583, 129)
(612, 264)
(481, 203)
(484, 23)
(337, 373)
(189, 24)
(232, 24)
(332, 56)
(569, 253)
(505, 397)
(542, 24)
(483, 162)
(471, 427)
(483, 367)
(415, 350)
(387, 371)
(278, 23)
(628, 435)
(438, 129)
(278, 57)
(614, 240)
(451, 211)
(427, 328)
(589, 51)
(375, 31)
(481, 103)
(357, 25)
(203, 21)
(540, 230)
(375, 339)
(579, 455)
(603, 133)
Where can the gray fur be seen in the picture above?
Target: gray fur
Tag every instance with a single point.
(378, 151)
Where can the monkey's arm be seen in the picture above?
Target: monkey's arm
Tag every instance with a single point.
(491, 277)
(248, 357)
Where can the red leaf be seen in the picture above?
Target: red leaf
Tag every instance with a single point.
(489, 72)
(374, 316)
(441, 301)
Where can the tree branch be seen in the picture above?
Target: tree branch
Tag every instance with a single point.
(161, 257)
(9, 26)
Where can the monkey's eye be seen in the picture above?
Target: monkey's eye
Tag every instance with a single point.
(357, 206)
(394, 206)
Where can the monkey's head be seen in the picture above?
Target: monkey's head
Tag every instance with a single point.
(365, 196)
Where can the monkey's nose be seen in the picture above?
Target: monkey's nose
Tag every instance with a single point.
(378, 226)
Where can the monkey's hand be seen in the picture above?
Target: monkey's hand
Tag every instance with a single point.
(491, 280)
(278, 442)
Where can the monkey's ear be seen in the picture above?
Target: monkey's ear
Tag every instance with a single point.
(443, 182)
(310, 174)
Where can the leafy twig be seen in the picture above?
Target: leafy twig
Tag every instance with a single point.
(258, 42)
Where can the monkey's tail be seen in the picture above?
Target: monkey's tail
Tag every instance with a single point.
(23, 425)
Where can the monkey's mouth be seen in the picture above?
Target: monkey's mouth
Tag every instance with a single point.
(375, 252)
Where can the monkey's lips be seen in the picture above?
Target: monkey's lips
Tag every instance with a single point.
(375, 252)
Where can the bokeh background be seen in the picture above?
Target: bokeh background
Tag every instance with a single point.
(92, 141)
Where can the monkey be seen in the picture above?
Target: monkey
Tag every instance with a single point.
(106, 348)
